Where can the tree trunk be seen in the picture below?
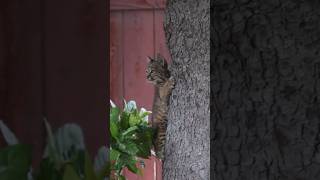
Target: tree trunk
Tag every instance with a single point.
(266, 90)
(187, 26)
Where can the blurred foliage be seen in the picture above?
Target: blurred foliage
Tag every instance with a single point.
(65, 157)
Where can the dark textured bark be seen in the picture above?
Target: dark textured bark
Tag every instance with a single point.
(187, 146)
(266, 90)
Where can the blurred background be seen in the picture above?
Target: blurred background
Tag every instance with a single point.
(136, 31)
(53, 64)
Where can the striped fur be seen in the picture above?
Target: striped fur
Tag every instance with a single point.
(158, 74)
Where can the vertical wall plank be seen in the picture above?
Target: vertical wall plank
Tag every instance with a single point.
(3, 56)
(160, 40)
(132, 4)
(22, 98)
(3, 62)
(116, 58)
(129, 175)
(161, 3)
(158, 169)
(148, 172)
(139, 43)
(76, 67)
(26, 89)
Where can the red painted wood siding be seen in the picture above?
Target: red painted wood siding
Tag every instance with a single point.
(53, 63)
(136, 31)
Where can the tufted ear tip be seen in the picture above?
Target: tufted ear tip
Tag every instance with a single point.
(159, 57)
(164, 62)
(149, 58)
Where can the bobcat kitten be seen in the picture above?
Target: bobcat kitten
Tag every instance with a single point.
(158, 74)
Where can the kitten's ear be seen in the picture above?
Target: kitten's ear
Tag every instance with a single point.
(159, 56)
(164, 63)
(149, 59)
(163, 60)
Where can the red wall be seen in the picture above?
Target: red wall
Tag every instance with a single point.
(136, 31)
(53, 63)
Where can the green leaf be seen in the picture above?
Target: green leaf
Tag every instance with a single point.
(126, 161)
(129, 162)
(144, 141)
(47, 171)
(131, 148)
(15, 162)
(121, 177)
(145, 135)
(89, 170)
(133, 168)
(114, 116)
(124, 120)
(114, 154)
(70, 173)
(130, 131)
(144, 151)
(119, 164)
(104, 171)
(19, 156)
(78, 161)
(134, 119)
(114, 130)
(10, 174)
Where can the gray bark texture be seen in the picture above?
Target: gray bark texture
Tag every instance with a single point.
(266, 90)
(187, 27)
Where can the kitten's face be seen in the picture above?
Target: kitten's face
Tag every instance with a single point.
(157, 71)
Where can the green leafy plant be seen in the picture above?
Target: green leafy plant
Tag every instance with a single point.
(65, 157)
(131, 137)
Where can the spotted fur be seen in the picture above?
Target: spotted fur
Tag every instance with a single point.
(158, 74)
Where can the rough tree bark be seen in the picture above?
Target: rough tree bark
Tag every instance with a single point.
(266, 90)
(187, 25)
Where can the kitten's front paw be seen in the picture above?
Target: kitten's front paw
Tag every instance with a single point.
(166, 89)
(171, 82)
